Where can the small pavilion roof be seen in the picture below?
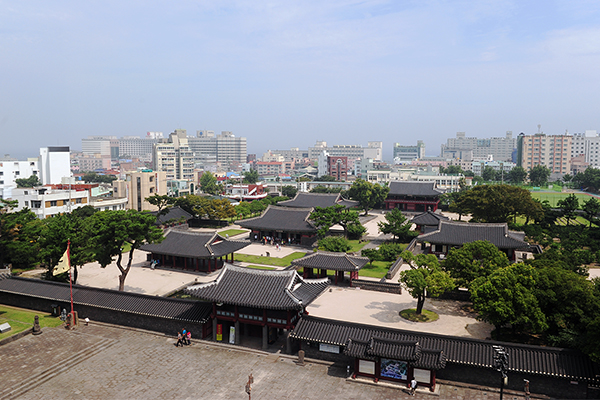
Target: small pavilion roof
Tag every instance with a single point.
(428, 218)
(277, 290)
(331, 261)
(311, 200)
(282, 219)
(194, 245)
(458, 233)
(414, 188)
(173, 213)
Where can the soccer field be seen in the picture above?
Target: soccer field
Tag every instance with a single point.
(554, 197)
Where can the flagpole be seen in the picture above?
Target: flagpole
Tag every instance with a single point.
(70, 280)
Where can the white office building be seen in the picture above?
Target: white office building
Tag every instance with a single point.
(501, 148)
(11, 169)
(54, 164)
(588, 144)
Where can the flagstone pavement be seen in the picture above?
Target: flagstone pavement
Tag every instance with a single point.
(103, 361)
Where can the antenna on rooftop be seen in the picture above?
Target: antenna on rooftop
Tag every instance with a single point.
(539, 128)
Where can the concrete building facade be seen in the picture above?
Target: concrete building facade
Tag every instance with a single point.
(338, 168)
(225, 146)
(45, 202)
(408, 153)
(54, 164)
(501, 148)
(137, 186)
(588, 144)
(353, 152)
(11, 169)
(552, 151)
(174, 156)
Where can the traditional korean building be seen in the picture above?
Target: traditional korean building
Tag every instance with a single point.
(455, 234)
(428, 221)
(311, 200)
(317, 264)
(260, 303)
(396, 355)
(413, 196)
(283, 224)
(193, 251)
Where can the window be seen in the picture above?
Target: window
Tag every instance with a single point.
(36, 204)
(26, 203)
(78, 201)
(17, 173)
(53, 203)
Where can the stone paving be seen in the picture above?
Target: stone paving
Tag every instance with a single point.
(101, 361)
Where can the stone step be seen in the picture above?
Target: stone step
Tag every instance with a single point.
(47, 374)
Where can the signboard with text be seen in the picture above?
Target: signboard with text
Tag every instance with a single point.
(219, 332)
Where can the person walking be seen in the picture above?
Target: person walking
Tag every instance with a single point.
(413, 386)
(179, 340)
(189, 338)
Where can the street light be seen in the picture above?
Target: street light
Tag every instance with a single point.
(501, 365)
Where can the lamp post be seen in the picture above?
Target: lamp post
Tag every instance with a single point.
(501, 365)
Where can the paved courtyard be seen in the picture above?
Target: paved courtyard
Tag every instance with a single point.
(101, 361)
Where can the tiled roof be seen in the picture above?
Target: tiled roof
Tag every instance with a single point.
(428, 218)
(281, 218)
(331, 261)
(548, 361)
(279, 290)
(381, 347)
(458, 233)
(174, 213)
(312, 200)
(412, 188)
(177, 309)
(194, 245)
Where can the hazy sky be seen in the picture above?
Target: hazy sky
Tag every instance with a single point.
(287, 73)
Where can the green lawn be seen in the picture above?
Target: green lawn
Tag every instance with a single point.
(279, 262)
(260, 267)
(554, 198)
(232, 232)
(356, 246)
(21, 320)
(376, 269)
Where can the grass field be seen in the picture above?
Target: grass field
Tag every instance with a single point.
(376, 269)
(21, 320)
(279, 262)
(260, 267)
(356, 246)
(233, 232)
(554, 198)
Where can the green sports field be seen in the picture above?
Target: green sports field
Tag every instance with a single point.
(554, 197)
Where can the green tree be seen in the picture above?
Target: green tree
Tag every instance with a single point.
(569, 206)
(208, 183)
(591, 207)
(93, 177)
(325, 217)
(18, 235)
(451, 170)
(567, 178)
(424, 277)
(397, 225)
(32, 181)
(368, 194)
(474, 260)
(488, 173)
(110, 230)
(325, 178)
(336, 244)
(251, 176)
(517, 175)
(507, 296)
(588, 179)
(323, 189)
(289, 191)
(539, 175)
(498, 203)
(162, 202)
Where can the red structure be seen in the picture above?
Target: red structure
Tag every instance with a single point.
(413, 196)
(337, 167)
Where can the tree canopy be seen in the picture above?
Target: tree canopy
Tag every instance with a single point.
(93, 177)
(208, 183)
(325, 217)
(517, 175)
(289, 191)
(569, 206)
(397, 224)
(368, 194)
(251, 176)
(539, 175)
(591, 208)
(474, 260)
(588, 180)
(32, 181)
(424, 277)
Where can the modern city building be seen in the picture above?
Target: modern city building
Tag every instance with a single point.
(588, 144)
(135, 146)
(45, 202)
(552, 151)
(225, 146)
(374, 151)
(138, 186)
(174, 156)
(408, 153)
(54, 164)
(501, 148)
(337, 167)
(11, 169)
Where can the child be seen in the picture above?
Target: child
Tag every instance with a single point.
(179, 340)
(189, 338)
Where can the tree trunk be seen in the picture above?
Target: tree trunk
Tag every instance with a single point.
(420, 303)
(75, 274)
(122, 282)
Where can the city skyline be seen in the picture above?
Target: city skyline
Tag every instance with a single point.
(286, 76)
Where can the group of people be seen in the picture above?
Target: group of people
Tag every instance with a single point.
(183, 338)
(274, 241)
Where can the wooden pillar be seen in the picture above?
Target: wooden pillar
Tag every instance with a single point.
(265, 337)
(173, 257)
(196, 262)
(432, 388)
(214, 331)
(237, 332)
(185, 263)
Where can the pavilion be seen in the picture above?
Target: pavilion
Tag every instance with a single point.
(282, 224)
(323, 200)
(413, 196)
(255, 302)
(194, 251)
(428, 221)
(323, 261)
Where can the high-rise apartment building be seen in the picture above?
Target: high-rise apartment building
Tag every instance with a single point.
(552, 151)
(225, 146)
(501, 148)
(338, 168)
(138, 186)
(11, 169)
(408, 153)
(373, 151)
(142, 148)
(54, 164)
(174, 156)
(588, 144)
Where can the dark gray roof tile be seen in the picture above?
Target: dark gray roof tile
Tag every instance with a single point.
(281, 218)
(414, 188)
(331, 261)
(428, 218)
(458, 233)
(194, 245)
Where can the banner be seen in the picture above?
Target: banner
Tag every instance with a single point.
(232, 335)
(219, 332)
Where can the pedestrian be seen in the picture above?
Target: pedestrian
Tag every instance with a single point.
(189, 338)
(179, 340)
(413, 386)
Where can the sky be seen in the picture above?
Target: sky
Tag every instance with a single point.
(288, 73)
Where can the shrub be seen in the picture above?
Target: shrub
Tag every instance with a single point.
(336, 244)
